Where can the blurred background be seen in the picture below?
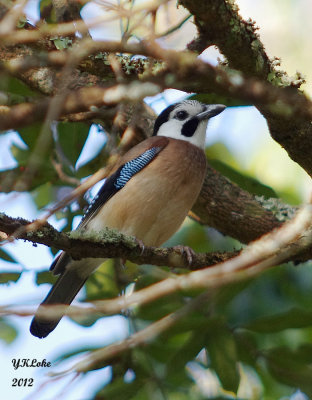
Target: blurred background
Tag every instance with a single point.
(238, 137)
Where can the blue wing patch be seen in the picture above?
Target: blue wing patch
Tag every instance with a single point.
(134, 166)
(118, 180)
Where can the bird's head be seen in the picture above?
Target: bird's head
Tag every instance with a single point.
(187, 121)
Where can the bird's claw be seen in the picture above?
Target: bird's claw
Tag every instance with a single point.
(141, 244)
(187, 252)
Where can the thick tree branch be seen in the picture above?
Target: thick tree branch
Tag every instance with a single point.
(287, 110)
(219, 23)
(111, 244)
(181, 67)
(231, 210)
(279, 106)
(106, 244)
(85, 99)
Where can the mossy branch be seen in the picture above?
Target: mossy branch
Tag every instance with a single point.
(106, 244)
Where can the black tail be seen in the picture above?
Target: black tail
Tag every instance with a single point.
(64, 291)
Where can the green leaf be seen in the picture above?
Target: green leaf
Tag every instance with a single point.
(5, 256)
(44, 172)
(7, 332)
(212, 98)
(292, 319)
(159, 308)
(291, 367)
(6, 277)
(9, 177)
(72, 353)
(86, 320)
(71, 138)
(62, 43)
(187, 351)
(221, 347)
(196, 320)
(246, 346)
(222, 297)
(47, 11)
(21, 22)
(102, 284)
(45, 277)
(164, 349)
(21, 155)
(93, 165)
(120, 390)
(14, 86)
(43, 195)
(30, 133)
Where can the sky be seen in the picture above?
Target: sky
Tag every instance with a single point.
(243, 130)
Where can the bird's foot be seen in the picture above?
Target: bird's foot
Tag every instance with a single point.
(186, 251)
(141, 245)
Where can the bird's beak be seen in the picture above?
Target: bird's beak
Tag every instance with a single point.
(211, 111)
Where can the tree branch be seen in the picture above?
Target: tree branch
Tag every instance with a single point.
(231, 210)
(105, 244)
(287, 111)
(219, 23)
(284, 103)
(272, 249)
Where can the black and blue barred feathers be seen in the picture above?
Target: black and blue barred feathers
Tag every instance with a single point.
(118, 180)
(134, 166)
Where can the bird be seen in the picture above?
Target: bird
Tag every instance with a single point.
(147, 195)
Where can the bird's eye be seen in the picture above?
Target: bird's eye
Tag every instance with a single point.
(181, 115)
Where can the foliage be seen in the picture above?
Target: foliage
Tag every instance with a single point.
(247, 340)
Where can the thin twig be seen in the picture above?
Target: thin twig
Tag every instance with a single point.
(70, 28)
